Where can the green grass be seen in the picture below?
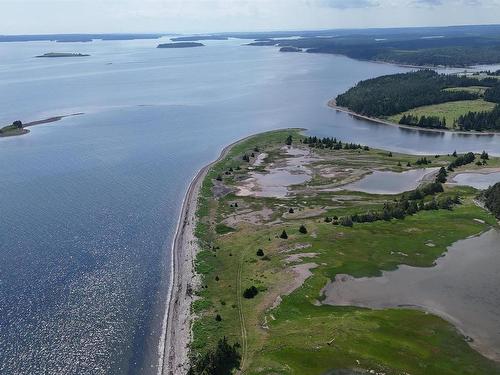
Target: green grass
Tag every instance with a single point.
(223, 229)
(295, 334)
(450, 110)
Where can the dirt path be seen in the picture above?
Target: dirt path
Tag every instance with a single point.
(242, 318)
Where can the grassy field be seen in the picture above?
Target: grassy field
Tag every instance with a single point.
(300, 335)
(450, 110)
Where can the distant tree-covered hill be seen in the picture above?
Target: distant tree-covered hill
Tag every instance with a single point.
(458, 46)
(180, 45)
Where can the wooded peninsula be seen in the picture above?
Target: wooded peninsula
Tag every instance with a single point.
(427, 99)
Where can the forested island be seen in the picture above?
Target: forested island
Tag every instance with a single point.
(62, 54)
(180, 45)
(290, 49)
(427, 99)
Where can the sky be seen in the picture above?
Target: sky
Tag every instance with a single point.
(199, 16)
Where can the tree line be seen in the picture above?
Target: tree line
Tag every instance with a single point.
(409, 204)
(433, 122)
(462, 160)
(485, 120)
(332, 143)
(221, 360)
(480, 121)
(491, 197)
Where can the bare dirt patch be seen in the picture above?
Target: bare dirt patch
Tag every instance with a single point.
(295, 258)
(299, 246)
(249, 216)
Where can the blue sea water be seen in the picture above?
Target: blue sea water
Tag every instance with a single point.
(89, 204)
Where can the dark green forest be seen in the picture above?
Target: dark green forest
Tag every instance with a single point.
(492, 199)
(480, 121)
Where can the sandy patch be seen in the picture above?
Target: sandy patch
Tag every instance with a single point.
(259, 160)
(299, 246)
(294, 258)
(249, 216)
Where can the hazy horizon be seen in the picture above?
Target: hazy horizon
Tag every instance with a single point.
(210, 16)
(270, 30)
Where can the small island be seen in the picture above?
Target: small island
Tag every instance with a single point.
(180, 45)
(290, 49)
(19, 128)
(16, 128)
(62, 54)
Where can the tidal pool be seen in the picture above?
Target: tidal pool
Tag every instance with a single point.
(386, 182)
(477, 180)
(277, 180)
(462, 288)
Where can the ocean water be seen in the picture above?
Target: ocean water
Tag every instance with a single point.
(89, 205)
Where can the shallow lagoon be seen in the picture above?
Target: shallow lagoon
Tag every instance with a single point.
(386, 182)
(477, 180)
(462, 288)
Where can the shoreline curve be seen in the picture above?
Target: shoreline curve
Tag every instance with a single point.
(176, 328)
(332, 103)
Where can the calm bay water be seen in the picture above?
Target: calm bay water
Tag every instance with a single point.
(88, 205)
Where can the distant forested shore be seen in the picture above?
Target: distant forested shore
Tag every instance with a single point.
(180, 45)
(456, 46)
